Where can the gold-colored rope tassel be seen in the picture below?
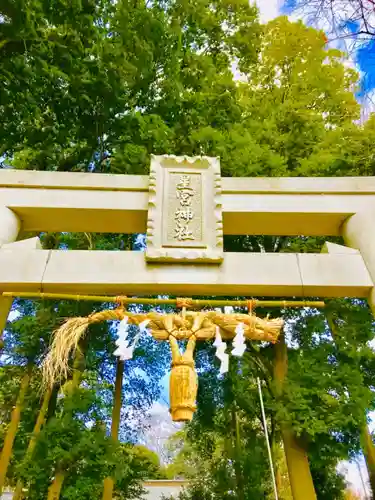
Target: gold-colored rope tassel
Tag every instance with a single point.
(183, 384)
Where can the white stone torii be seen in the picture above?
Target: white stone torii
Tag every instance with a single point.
(51, 201)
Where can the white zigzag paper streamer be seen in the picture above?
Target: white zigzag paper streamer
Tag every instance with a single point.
(125, 351)
(220, 352)
(239, 344)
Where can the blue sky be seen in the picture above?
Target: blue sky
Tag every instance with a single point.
(365, 58)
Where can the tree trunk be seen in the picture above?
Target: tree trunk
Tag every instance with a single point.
(279, 462)
(54, 490)
(5, 307)
(237, 455)
(51, 411)
(278, 476)
(369, 453)
(6, 452)
(296, 457)
(116, 413)
(32, 443)
(367, 443)
(300, 478)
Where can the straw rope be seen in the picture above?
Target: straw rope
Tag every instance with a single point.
(200, 325)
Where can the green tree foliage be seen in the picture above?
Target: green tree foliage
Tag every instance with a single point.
(297, 99)
(296, 93)
(120, 79)
(71, 436)
(77, 440)
(148, 462)
(325, 400)
(344, 152)
(98, 87)
(88, 81)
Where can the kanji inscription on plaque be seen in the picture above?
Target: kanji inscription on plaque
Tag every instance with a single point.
(184, 215)
(185, 206)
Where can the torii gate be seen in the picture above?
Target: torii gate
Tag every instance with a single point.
(185, 207)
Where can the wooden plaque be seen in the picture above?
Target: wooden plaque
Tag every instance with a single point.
(184, 211)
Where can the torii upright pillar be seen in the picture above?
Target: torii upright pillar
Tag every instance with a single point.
(9, 229)
(358, 232)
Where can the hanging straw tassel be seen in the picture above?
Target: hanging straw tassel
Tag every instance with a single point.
(65, 342)
(55, 366)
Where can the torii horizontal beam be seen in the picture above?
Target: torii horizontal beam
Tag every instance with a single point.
(127, 273)
(52, 201)
(59, 201)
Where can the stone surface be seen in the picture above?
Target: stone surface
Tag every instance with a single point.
(22, 244)
(358, 233)
(289, 214)
(329, 247)
(158, 489)
(184, 220)
(76, 210)
(338, 274)
(300, 185)
(7, 495)
(72, 180)
(126, 273)
(9, 225)
(22, 270)
(155, 489)
(60, 201)
(105, 203)
(256, 185)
